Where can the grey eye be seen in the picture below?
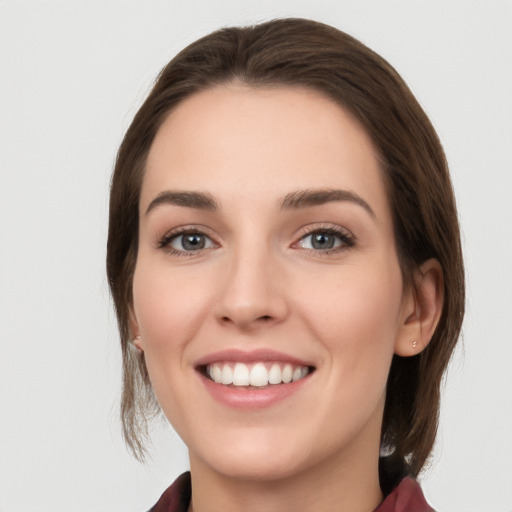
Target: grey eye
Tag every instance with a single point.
(321, 240)
(191, 242)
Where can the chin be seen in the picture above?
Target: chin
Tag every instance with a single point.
(253, 460)
(257, 468)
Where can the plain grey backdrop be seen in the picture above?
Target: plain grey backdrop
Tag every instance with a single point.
(72, 75)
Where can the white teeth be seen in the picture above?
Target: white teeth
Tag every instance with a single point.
(227, 375)
(216, 374)
(241, 375)
(256, 375)
(274, 375)
(259, 375)
(297, 374)
(287, 373)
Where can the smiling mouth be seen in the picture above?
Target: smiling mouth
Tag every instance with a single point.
(255, 375)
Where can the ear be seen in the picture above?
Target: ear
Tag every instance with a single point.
(422, 308)
(135, 331)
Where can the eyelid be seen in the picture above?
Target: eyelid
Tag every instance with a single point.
(164, 241)
(348, 239)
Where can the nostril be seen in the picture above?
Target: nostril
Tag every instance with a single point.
(262, 318)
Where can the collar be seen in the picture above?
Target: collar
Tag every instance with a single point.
(406, 497)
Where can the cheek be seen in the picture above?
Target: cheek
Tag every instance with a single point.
(356, 316)
(168, 308)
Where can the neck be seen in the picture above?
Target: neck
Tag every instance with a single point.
(351, 487)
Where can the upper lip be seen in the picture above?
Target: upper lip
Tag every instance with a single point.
(249, 356)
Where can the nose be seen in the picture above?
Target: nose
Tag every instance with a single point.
(252, 293)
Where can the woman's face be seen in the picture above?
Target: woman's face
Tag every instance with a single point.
(266, 253)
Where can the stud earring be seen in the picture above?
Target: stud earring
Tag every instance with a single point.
(414, 344)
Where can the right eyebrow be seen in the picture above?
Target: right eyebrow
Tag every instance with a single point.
(199, 200)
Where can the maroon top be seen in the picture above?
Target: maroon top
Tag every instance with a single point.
(406, 497)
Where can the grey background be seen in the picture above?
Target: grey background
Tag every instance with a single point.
(72, 75)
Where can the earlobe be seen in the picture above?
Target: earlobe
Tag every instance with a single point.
(422, 310)
(135, 339)
(137, 343)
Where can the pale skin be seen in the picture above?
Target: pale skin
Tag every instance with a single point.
(260, 278)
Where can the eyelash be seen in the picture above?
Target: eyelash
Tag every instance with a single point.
(346, 239)
(168, 238)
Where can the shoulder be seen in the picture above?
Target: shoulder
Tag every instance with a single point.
(176, 498)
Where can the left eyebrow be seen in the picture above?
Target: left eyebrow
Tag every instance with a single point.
(315, 197)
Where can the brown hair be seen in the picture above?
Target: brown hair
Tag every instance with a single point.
(300, 52)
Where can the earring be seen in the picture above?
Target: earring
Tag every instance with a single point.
(414, 344)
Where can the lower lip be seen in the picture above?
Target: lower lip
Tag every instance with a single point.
(248, 399)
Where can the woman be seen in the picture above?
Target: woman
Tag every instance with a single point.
(285, 263)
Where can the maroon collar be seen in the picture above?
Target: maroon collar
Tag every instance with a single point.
(406, 497)
(177, 497)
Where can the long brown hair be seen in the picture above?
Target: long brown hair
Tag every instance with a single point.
(299, 52)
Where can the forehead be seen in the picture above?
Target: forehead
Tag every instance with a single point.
(239, 141)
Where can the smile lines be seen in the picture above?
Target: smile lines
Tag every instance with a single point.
(258, 374)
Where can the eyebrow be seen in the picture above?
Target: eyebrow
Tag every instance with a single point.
(292, 201)
(198, 200)
(315, 197)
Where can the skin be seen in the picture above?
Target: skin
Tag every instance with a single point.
(259, 284)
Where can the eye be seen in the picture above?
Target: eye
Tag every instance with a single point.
(186, 242)
(325, 240)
